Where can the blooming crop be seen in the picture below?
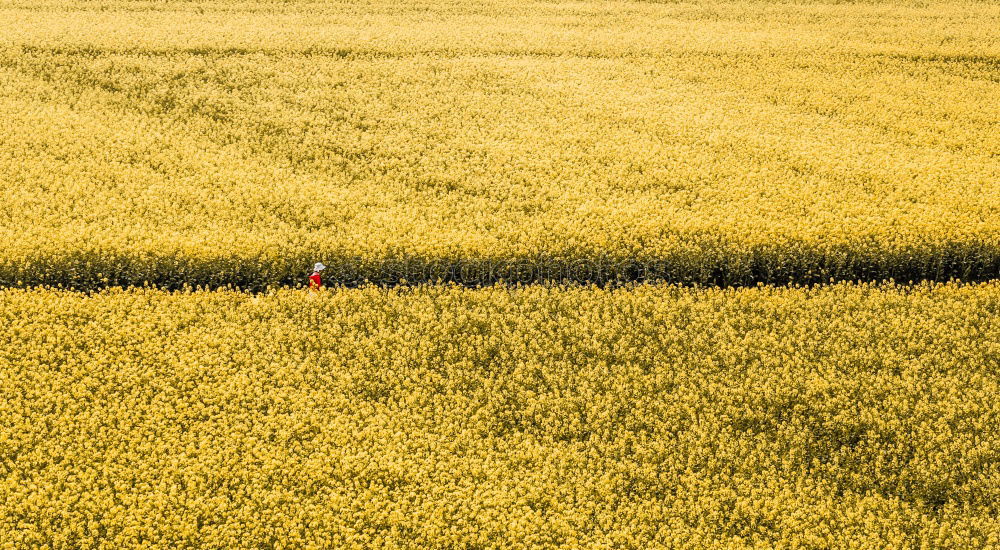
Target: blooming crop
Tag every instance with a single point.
(239, 142)
(849, 416)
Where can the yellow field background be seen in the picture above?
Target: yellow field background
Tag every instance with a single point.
(221, 148)
(846, 416)
(736, 142)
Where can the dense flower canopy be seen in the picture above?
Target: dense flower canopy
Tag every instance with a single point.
(228, 143)
(739, 142)
(845, 416)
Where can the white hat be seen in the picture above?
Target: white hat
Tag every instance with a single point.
(319, 266)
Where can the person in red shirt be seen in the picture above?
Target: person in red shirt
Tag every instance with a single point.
(315, 281)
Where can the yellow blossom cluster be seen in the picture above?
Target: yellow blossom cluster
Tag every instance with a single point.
(843, 416)
(229, 141)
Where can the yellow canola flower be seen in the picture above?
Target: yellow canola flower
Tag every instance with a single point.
(847, 416)
(239, 142)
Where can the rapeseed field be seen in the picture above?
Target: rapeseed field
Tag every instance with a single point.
(694, 274)
(844, 416)
(207, 143)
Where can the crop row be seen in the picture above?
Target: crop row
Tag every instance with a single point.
(690, 263)
(846, 416)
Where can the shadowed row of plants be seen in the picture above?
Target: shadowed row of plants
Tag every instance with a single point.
(776, 265)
